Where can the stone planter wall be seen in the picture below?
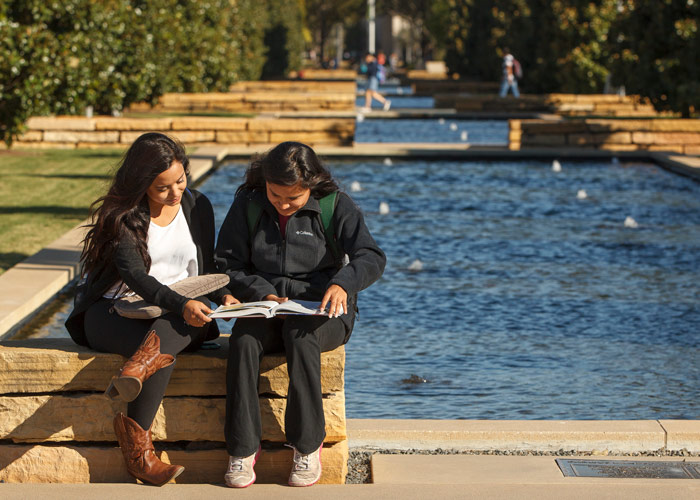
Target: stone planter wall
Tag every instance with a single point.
(431, 86)
(266, 101)
(562, 104)
(675, 135)
(324, 74)
(105, 131)
(334, 86)
(56, 426)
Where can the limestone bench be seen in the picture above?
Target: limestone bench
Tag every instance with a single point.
(56, 426)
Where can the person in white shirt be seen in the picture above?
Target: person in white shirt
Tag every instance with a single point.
(148, 232)
(509, 80)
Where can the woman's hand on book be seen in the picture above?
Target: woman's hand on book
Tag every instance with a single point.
(229, 299)
(277, 299)
(337, 300)
(195, 313)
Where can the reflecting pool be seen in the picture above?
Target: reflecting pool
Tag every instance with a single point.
(509, 295)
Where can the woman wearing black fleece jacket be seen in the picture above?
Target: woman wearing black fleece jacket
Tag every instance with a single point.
(285, 256)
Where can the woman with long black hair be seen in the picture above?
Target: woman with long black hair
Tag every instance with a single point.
(148, 232)
(286, 253)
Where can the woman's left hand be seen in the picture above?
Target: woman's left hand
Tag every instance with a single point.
(337, 300)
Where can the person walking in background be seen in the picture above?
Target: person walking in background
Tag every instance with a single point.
(393, 63)
(148, 232)
(374, 70)
(511, 72)
(287, 252)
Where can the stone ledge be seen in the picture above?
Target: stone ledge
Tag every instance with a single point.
(98, 464)
(59, 365)
(682, 434)
(26, 286)
(88, 417)
(623, 436)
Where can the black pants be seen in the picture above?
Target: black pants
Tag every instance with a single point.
(302, 339)
(106, 331)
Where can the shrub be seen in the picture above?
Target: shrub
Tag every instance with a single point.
(58, 57)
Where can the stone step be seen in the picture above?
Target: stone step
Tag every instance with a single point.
(88, 417)
(615, 436)
(59, 365)
(99, 464)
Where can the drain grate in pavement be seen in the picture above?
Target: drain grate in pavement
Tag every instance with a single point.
(629, 469)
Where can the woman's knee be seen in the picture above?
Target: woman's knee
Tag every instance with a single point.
(174, 334)
(300, 337)
(244, 343)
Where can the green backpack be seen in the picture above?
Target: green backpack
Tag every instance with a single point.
(327, 203)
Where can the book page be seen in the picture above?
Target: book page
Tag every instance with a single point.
(246, 309)
(299, 307)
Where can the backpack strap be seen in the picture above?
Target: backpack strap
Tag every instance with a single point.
(253, 213)
(328, 204)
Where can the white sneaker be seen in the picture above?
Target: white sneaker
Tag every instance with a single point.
(240, 473)
(306, 469)
(387, 105)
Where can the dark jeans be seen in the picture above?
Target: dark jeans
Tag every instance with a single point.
(108, 332)
(302, 339)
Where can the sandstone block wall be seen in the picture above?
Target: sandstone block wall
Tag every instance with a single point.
(441, 89)
(324, 74)
(56, 426)
(562, 104)
(308, 86)
(675, 135)
(257, 101)
(105, 131)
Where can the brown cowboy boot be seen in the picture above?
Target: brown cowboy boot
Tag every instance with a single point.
(139, 454)
(145, 362)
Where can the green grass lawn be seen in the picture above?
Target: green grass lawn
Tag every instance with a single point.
(43, 194)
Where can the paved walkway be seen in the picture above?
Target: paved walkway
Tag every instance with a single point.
(405, 477)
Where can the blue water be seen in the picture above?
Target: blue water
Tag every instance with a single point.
(398, 101)
(531, 303)
(480, 132)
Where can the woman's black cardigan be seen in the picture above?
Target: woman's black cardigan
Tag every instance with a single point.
(127, 265)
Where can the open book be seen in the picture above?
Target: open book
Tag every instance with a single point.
(268, 309)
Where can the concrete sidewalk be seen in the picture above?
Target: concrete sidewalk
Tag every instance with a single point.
(450, 485)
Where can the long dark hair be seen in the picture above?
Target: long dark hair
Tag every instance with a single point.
(287, 164)
(123, 212)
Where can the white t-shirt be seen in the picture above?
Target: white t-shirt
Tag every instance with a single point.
(172, 251)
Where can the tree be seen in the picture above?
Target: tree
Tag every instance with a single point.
(321, 15)
(562, 44)
(656, 49)
(284, 39)
(60, 57)
(426, 15)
